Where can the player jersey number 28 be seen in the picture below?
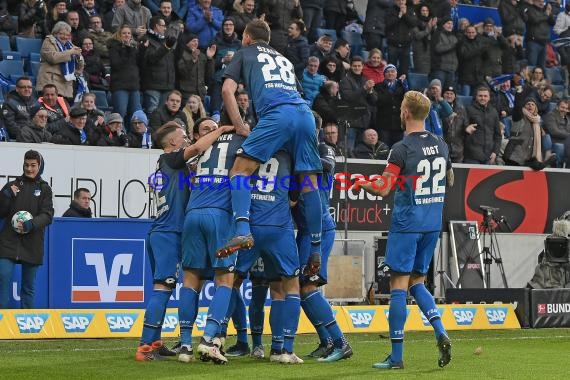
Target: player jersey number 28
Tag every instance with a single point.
(275, 69)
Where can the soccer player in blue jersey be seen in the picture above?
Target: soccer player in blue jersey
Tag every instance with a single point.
(419, 169)
(163, 240)
(333, 345)
(207, 225)
(284, 122)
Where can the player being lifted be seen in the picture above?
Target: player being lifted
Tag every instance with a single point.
(423, 160)
(284, 122)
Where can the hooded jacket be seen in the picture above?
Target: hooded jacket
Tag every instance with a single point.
(35, 196)
(76, 211)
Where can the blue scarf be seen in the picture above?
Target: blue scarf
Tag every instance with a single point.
(67, 68)
(511, 98)
(81, 88)
(83, 136)
(433, 123)
(146, 140)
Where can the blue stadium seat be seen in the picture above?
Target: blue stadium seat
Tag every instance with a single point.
(28, 45)
(9, 68)
(11, 55)
(34, 68)
(35, 57)
(101, 100)
(554, 75)
(464, 100)
(330, 32)
(5, 43)
(418, 81)
(355, 41)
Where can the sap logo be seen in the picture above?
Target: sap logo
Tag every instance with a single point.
(201, 320)
(122, 322)
(464, 316)
(425, 320)
(170, 322)
(361, 318)
(31, 324)
(496, 315)
(108, 270)
(1, 316)
(76, 323)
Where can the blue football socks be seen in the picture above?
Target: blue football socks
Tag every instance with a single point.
(427, 305)
(257, 313)
(217, 311)
(154, 315)
(187, 312)
(291, 309)
(241, 202)
(321, 316)
(396, 321)
(312, 205)
(276, 323)
(239, 316)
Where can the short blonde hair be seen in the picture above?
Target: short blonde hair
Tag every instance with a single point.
(417, 104)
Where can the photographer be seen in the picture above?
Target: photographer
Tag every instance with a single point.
(31, 193)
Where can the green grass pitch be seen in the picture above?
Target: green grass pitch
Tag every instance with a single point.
(510, 354)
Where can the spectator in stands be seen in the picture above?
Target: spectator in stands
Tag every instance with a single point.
(312, 81)
(135, 15)
(493, 45)
(80, 85)
(334, 13)
(33, 14)
(226, 44)
(375, 23)
(87, 10)
(110, 15)
(279, 14)
(112, 133)
(322, 47)
(557, 126)
(469, 58)
(35, 132)
(441, 9)
(444, 60)
(194, 110)
(77, 33)
(374, 66)
(204, 20)
(400, 22)
(297, 50)
(332, 68)
(330, 137)
(174, 24)
(512, 21)
(7, 24)
(370, 147)
(312, 16)
(140, 135)
(242, 14)
(58, 59)
(158, 69)
(326, 102)
(58, 13)
(542, 94)
(242, 98)
(194, 68)
(125, 82)
(454, 132)
(503, 99)
(538, 19)
(390, 97)
(342, 53)
(96, 73)
(17, 107)
(358, 92)
(100, 38)
(95, 117)
(79, 206)
(536, 77)
(56, 107)
(421, 39)
(482, 133)
(440, 109)
(169, 111)
(75, 132)
(562, 29)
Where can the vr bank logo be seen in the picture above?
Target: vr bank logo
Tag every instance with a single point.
(107, 270)
(464, 316)
(121, 322)
(76, 323)
(496, 315)
(31, 323)
(425, 320)
(170, 322)
(361, 318)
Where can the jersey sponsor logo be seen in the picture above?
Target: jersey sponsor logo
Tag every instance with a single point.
(425, 320)
(464, 316)
(76, 322)
(31, 323)
(496, 315)
(107, 270)
(170, 322)
(201, 320)
(121, 322)
(361, 318)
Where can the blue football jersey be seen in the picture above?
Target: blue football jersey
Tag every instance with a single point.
(270, 194)
(211, 187)
(268, 77)
(171, 200)
(423, 159)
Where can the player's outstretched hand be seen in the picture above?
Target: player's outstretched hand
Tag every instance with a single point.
(313, 267)
(227, 128)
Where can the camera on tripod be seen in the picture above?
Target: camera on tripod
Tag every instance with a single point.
(489, 216)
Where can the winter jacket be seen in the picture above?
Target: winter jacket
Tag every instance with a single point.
(69, 135)
(311, 84)
(399, 29)
(421, 46)
(16, 113)
(374, 73)
(351, 90)
(454, 133)
(365, 151)
(469, 54)
(388, 106)
(131, 14)
(162, 115)
(100, 39)
(279, 14)
(224, 44)
(124, 66)
(335, 6)
(487, 137)
(193, 77)
(158, 69)
(511, 18)
(76, 211)
(492, 63)
(520, 146)
(297, 52)
(50, 68)
(326, 106)
(241, 19)
(35, 196)
(444, 53)
(32, 134)
(375, 22)
(56, 114)
(556, 126)
(538, 24)
(197, 24)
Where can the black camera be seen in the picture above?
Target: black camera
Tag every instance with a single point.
(488, 210)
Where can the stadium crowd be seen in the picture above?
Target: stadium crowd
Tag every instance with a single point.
(497, 92)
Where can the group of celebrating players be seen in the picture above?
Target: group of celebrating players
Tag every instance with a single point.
(225, 232)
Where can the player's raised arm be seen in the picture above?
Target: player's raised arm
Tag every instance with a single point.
(229, 89)
(205, 142)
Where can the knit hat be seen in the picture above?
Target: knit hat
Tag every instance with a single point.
(388, 67)
(140, 116)
(449, 88)
(114, 118)
(77, 112)
(435, 82)
(489, 21)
